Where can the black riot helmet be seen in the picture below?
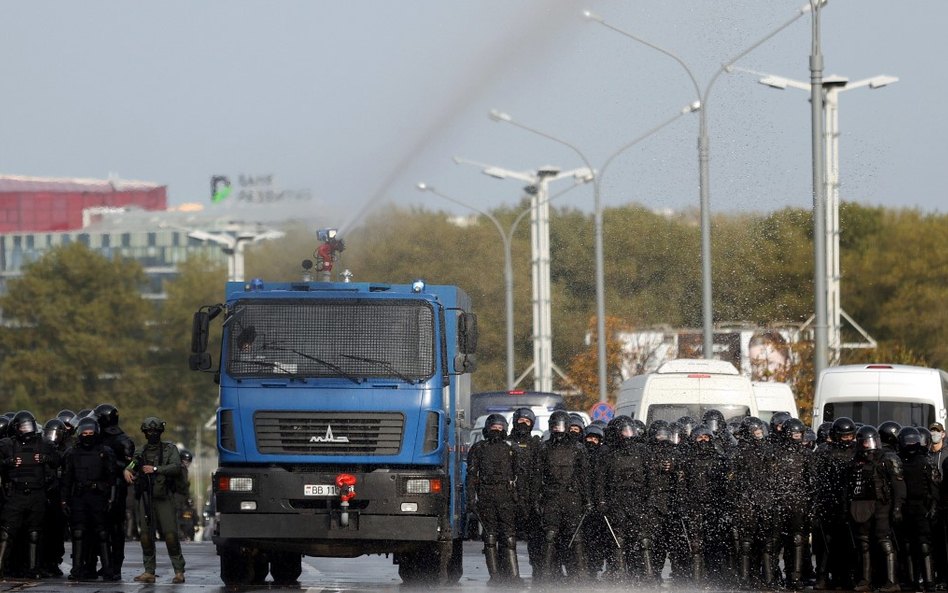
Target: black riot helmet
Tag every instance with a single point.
(714, 420)
(559, 422)
(4, 426)
(525, 414)
(688, 425)
(677, 433)
(910, 440)
(777, 420)
(88, 424)
(752, 429)
(83, 413)
(576, 423)
(595, 431)
(889, 433)
(495, 420)
(186, 456)
(843, 432)
(868, 439)
(626, 428)
(107, 414)
(810, 440)
(659, 432)
(68, 417)
(823, 432)
(55, 431)
(793, 429)
(24, 425)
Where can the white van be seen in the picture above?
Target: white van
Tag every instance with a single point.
(687, 387)
(874, 393)
(773, 397)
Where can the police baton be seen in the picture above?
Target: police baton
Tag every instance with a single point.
(684, 530)
(578, 527)
(609, 525)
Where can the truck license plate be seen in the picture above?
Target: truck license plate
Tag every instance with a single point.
(320, 490)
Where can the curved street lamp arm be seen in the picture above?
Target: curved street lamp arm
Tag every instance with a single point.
(668, 53)
(425, 187)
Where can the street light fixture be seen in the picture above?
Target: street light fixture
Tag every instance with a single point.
(703, 150)
(538, 187)
(499, 116)
(832, 87)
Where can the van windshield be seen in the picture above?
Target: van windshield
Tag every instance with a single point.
(672, 412)
(877, 412)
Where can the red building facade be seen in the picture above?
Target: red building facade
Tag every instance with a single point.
(37, 204)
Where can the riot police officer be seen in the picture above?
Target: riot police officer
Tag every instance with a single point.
(491, 473)
(624, 470)
(527, 520)
(705, 486)
(752, 470)
(122, 446)
(28, 460)
(794, 491)
(921, 500)
(832, 541)
(88, 492)
(662, 527)
(563, 497)
(875, 505)
(54, 523)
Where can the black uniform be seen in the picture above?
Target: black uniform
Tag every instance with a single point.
(526, 518)
(28, 464)
(662, 526)
(89, 492)
(563, 497)
(921, 499)
(625, 485)
(705, 488)
(750, 487)
(794, 482)
(123, 448)
(491, 475)
(875, 493)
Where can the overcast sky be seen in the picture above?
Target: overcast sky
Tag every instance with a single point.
(355, 102)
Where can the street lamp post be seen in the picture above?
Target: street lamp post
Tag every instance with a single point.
(703, 152)
(500, 116)
(832, 87)
(538, 181)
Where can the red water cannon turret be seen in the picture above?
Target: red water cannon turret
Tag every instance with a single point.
(328, 252)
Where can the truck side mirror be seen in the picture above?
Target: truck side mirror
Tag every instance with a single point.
(467, 333)
(199, 361)
(199, 332)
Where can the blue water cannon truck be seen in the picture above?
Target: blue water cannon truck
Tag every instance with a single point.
(339, 425)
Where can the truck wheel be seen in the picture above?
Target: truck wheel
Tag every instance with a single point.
(236, 570)
(431, 566)
(286, 567)
(456, 564)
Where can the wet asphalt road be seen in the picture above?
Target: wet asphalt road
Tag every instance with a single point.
(366, 573)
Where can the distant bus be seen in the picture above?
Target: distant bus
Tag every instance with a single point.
(488, 402)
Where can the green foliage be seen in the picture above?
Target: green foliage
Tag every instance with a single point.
(77, 334)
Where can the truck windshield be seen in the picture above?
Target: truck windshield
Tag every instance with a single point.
(319, 338)
(877, 412)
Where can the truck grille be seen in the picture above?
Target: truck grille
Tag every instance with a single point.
(329, 433)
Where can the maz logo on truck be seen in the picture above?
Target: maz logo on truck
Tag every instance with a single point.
(329, 438)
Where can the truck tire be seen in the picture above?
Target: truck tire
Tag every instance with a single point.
(286, 567)
(241, 567)
(236, 570)
(456, 564)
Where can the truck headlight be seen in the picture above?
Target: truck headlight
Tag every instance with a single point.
(423, 486)
(231, 484)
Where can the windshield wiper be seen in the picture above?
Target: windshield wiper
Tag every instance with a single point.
(383, 363)
(272, 365)
(355, 380)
